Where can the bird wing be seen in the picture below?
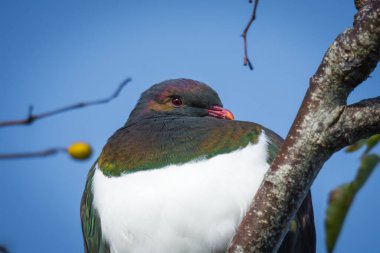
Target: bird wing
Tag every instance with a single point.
(91, 229)
(154, 144)
(301, 236)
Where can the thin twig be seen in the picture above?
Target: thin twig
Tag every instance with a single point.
(47, 152)
(31, 118)
(244, 35)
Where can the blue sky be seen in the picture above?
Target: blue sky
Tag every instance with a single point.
(53, 53)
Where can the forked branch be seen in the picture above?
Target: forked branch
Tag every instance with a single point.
(324, 124)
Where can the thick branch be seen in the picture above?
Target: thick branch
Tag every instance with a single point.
(357, 121)
(324, 124)
(31, 118)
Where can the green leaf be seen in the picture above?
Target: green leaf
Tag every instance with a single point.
(356, 146)
(340, 199)
(372, 142)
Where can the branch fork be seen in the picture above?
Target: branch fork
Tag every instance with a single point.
(324, 124)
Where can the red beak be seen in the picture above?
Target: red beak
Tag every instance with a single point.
(220, 112)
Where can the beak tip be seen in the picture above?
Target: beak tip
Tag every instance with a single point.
(220, 112)
(229, 116)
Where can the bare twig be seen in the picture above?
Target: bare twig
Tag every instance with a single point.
(324, 124)
(244, 35)
(31, 118)
(47, 152)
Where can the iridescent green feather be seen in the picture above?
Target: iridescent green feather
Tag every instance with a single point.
(92, 233)
(173, 141)
(274, 144)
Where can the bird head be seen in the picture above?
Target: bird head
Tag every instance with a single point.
(179, 97)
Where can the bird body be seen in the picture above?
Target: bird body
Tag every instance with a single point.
(154, 210)
(179, 177)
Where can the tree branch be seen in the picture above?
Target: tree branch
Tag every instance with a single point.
(31, 118)
(324, 124)
(244, 35)
(47, 152)
(356, 120)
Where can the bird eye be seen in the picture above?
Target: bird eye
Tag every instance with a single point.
(177, 102)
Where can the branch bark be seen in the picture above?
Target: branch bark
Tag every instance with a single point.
(324, 124)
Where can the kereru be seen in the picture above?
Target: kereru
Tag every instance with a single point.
(179, 176)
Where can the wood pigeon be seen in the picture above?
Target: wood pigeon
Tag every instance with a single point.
(179, 177)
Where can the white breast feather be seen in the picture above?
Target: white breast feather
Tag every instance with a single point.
(195, 207)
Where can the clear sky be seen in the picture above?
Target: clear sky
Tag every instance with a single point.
(53, 53)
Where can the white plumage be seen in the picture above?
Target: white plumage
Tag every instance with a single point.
(194, 207)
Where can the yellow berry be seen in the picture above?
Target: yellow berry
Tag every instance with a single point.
(79, 150)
